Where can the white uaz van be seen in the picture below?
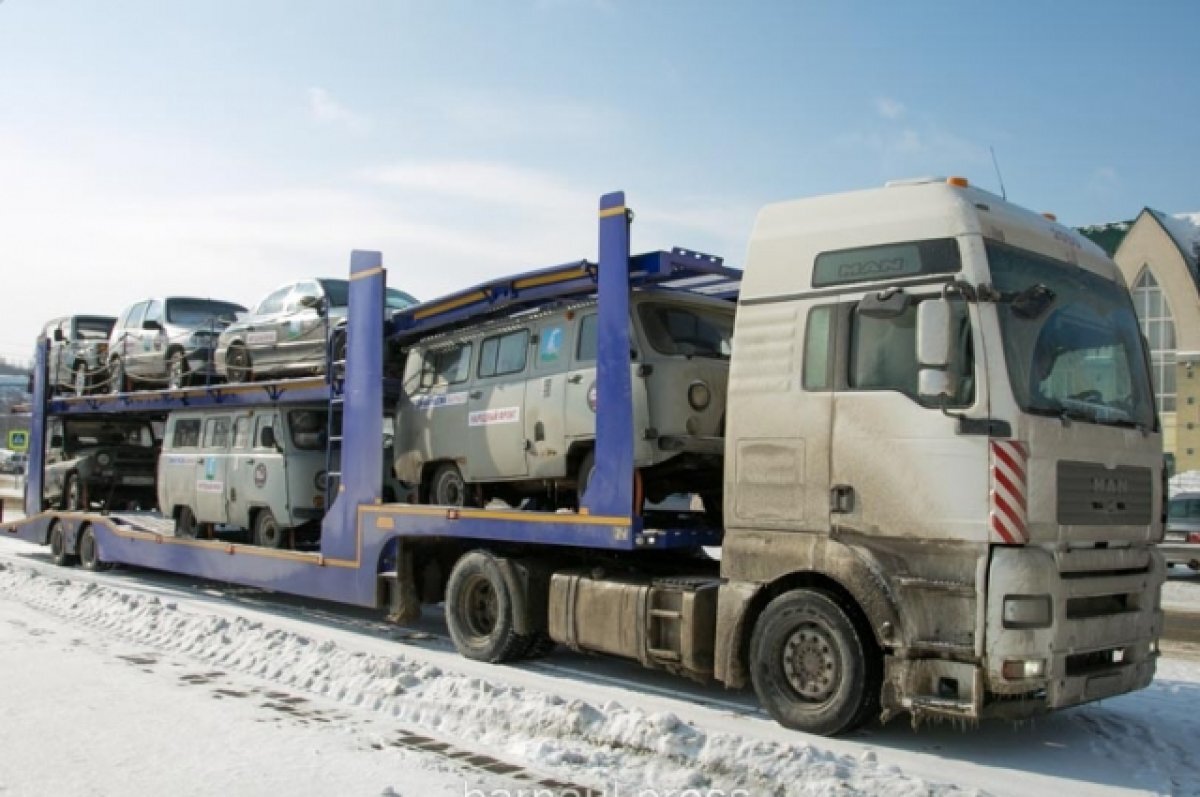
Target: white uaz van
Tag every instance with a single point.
(507, 409)
(261, 470)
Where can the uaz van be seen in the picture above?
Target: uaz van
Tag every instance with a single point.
(507, 410)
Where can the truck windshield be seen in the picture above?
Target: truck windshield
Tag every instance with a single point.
(687, 331)
(1071, 340)
(199, 312)
(84, 434)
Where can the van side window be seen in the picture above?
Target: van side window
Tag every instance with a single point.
(264, 422)
(241, 432)
(504, 354)
(187, 434)
(586, 348)
(883, 354)
(818, 349)
(216, 433)
(447, 367)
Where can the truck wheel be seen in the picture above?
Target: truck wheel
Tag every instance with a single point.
(267, 531)
(72, 495)
(237, 364)
(185, 523)
(89, 556)
(811, 667)
(584, 474)
(540, 645)
(80, 379)
(479, 611)
(177, 371)
(447, 487)
(116, 376)
(58, 548)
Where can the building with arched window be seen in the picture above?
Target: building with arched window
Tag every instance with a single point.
(1158, 256)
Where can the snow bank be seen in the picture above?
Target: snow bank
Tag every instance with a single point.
(623, 747)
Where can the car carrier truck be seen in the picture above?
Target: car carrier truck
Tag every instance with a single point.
(942, 473)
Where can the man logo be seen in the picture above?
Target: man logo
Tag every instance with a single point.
(1102, 485)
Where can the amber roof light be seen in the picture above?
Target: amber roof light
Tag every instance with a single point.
(958, 182)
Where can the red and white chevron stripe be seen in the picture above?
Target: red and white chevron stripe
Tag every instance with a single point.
(1008, 493)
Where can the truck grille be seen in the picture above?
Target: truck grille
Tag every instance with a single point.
(1090, 494)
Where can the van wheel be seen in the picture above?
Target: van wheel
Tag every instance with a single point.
(584, 474)
(811, 667)
(72, 495)
(89, 556)
(479, 611)
(267, 531)
(186, 526)
(58, 547)
(177, 371)
(237, 364)
(447, 487)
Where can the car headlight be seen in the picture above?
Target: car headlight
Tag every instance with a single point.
(103, 460)
(321, 480)
(699, 396)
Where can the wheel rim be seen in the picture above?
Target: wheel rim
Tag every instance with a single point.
(87, 548)
(450, 489)
(268, 532)
(56, 543)
(238, 364)
(811, 663)
(480, 608)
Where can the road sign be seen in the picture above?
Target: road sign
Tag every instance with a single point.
(18, 440)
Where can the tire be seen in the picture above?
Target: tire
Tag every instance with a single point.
(337, 353)
(89, 555)
(177, 371)
(58, 552)
(584, 475)
(479, 611)
(237, 364)
(540, 645)
(117, 382)
(811, 666)
(186, 526)
(79, 379)
(267, 531)
(72, 494)
(447, 487)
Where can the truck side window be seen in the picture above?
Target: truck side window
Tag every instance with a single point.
(216, 433)
(187, 434)
(585, 351)
(818, 349)
(241, 432)
(447, 367)
(883, 354)
(504, 354)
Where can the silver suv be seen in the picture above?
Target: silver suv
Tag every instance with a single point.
(78, 348)
(167, 343)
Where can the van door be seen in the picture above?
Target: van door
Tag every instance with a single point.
(212, 484)
(495, 432)
(263, 478)
(177, 464)
(579, 407)
(241, 471)
(545, 397)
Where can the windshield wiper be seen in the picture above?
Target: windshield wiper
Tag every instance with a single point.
(1064, 414)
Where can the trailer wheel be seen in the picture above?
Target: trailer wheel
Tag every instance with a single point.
(72, 495)
(185, 523)
(447, 487)
(89, 556)
(479, 611)
(58, 548)
(811, 667)
(267, 531)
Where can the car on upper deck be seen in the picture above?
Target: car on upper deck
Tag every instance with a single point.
(289, 331)
(167, 342)
(77, 358)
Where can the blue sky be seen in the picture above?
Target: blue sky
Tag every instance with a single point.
(222, 148)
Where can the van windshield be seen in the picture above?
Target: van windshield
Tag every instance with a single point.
(687, 330)
(308, 429)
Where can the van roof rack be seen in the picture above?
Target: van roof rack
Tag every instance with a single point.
(678, 269)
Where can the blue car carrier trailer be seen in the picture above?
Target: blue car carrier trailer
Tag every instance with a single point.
(905, 527)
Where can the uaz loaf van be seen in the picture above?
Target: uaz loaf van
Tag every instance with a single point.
(507, 409)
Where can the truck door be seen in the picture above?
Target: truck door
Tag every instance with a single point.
(212, 471)
(495, 432)
(900, 467)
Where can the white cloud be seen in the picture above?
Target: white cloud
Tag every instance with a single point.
(327, 110)
(889, 108)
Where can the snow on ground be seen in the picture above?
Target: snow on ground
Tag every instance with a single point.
(1181, 593)
(185, 684)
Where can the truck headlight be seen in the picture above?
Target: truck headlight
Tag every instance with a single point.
(1027, 611)
(1020, 669)
(320, 480)
(699, 396)
(103, 460)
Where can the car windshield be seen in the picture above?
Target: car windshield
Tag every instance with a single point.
(1071, 340)
(200, 312)
(93, 328)
(82, 434)
(687, 330)
(398, 300)
(1184, 509)
(336, 291)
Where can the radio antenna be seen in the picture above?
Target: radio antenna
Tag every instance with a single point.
(1000, 177)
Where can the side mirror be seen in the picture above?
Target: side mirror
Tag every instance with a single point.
(315, 303)
(58, 336)
(152, 325)
(934, 341)
(267, 438)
